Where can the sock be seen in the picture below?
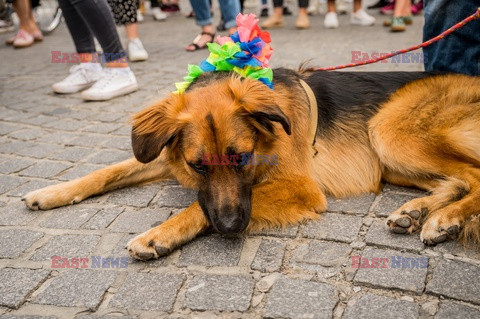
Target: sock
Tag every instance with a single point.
(94, 66)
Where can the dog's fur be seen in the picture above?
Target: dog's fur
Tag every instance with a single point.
(409, 129)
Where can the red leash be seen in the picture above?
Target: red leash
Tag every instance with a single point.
(474, 16)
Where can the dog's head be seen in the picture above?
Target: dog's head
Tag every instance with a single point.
(225, 117)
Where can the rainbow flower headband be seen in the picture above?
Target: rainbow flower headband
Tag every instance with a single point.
(246, 52)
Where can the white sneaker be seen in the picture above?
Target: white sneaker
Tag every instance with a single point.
(158, 14)
(361, 17)
(81, 77)
(136, 51)
(331, 20)
(114, 82)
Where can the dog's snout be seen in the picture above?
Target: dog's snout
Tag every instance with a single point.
(230, 220)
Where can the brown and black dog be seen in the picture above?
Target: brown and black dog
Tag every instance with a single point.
(409, 129)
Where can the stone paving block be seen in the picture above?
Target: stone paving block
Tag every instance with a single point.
(332, 226)
(456, 280)
(449, 310)
(45, 169)
(57, 138)
(39, 120)
(40, 150)
(288, 232)
(70, 217)
(359, 205)
(71, 154)
(88, 140)
(379, 234)
(176, 196)
(14, 241)
(457, 249)
(67, 246)
(66, 125)
(213, 250)
(269, 255)
(17, 284)
(391, 202)
(77, 288)
(158, 292)
(219, 292)
(122, 143)
(79, 171)
(402, 275)
(17, 214)
(138, 221)
(379, 307)
(103, 218)
(103, 128)
(399, 189)
(15, 147)
(297, 298)
(7, 128)
(29, 186)
(14, 165)
(9, 316)
(10, 182)
(28, 134)
(328, 254)
(107, 157)
(133, 196)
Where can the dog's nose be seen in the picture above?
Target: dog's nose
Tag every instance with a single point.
(230, 221)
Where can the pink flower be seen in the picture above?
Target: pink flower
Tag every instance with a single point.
(246, 23)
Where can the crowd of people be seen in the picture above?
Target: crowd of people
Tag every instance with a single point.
(96, 19)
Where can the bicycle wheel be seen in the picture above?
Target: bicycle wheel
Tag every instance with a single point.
(48, 15)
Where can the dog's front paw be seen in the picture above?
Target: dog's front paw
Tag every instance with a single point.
(53, 196)
(405, 221)
(148, 245)
(438, 229)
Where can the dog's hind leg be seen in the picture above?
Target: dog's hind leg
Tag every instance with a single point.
(276, 203)
(126, 173)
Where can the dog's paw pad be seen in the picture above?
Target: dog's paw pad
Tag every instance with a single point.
(162, 251)
(433, 234)
(404, 222)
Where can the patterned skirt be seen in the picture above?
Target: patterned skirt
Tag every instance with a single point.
(124, 11)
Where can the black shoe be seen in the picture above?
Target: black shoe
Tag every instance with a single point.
(264, 12)
(221, 26)
(286, 11)
(379, 4)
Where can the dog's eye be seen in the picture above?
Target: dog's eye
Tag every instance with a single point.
(199, 168)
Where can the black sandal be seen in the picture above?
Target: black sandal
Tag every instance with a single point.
(196, 46)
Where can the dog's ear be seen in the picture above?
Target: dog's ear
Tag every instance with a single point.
(259, 103)
(156, 127)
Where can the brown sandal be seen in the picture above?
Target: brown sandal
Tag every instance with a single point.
(195, 41)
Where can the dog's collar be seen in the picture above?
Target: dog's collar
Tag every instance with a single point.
(313, 116)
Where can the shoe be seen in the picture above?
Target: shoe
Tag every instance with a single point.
(407, 20)
(341, 7)
(398, 25)
(361, 17)
(417, 8)
(140, 17)
(264, 12)
(286, 11)
(158, 14)
(136, 51)
(221, 26)
(388, 9)
(273, 21)
(170, 8)
(379, 4)
(331, 20)
(81, 77)
(195, 44)
(302, 22)
(37, 36)
(114, 82)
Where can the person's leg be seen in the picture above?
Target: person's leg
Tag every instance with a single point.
(23, 9)
(230, 9)
(276, 19)
(79, 31)
(360, 16)
(203, 18)
(136, 51)
(302, 19)
(460, 51)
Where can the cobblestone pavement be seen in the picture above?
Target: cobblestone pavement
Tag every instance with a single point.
(300, 272)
